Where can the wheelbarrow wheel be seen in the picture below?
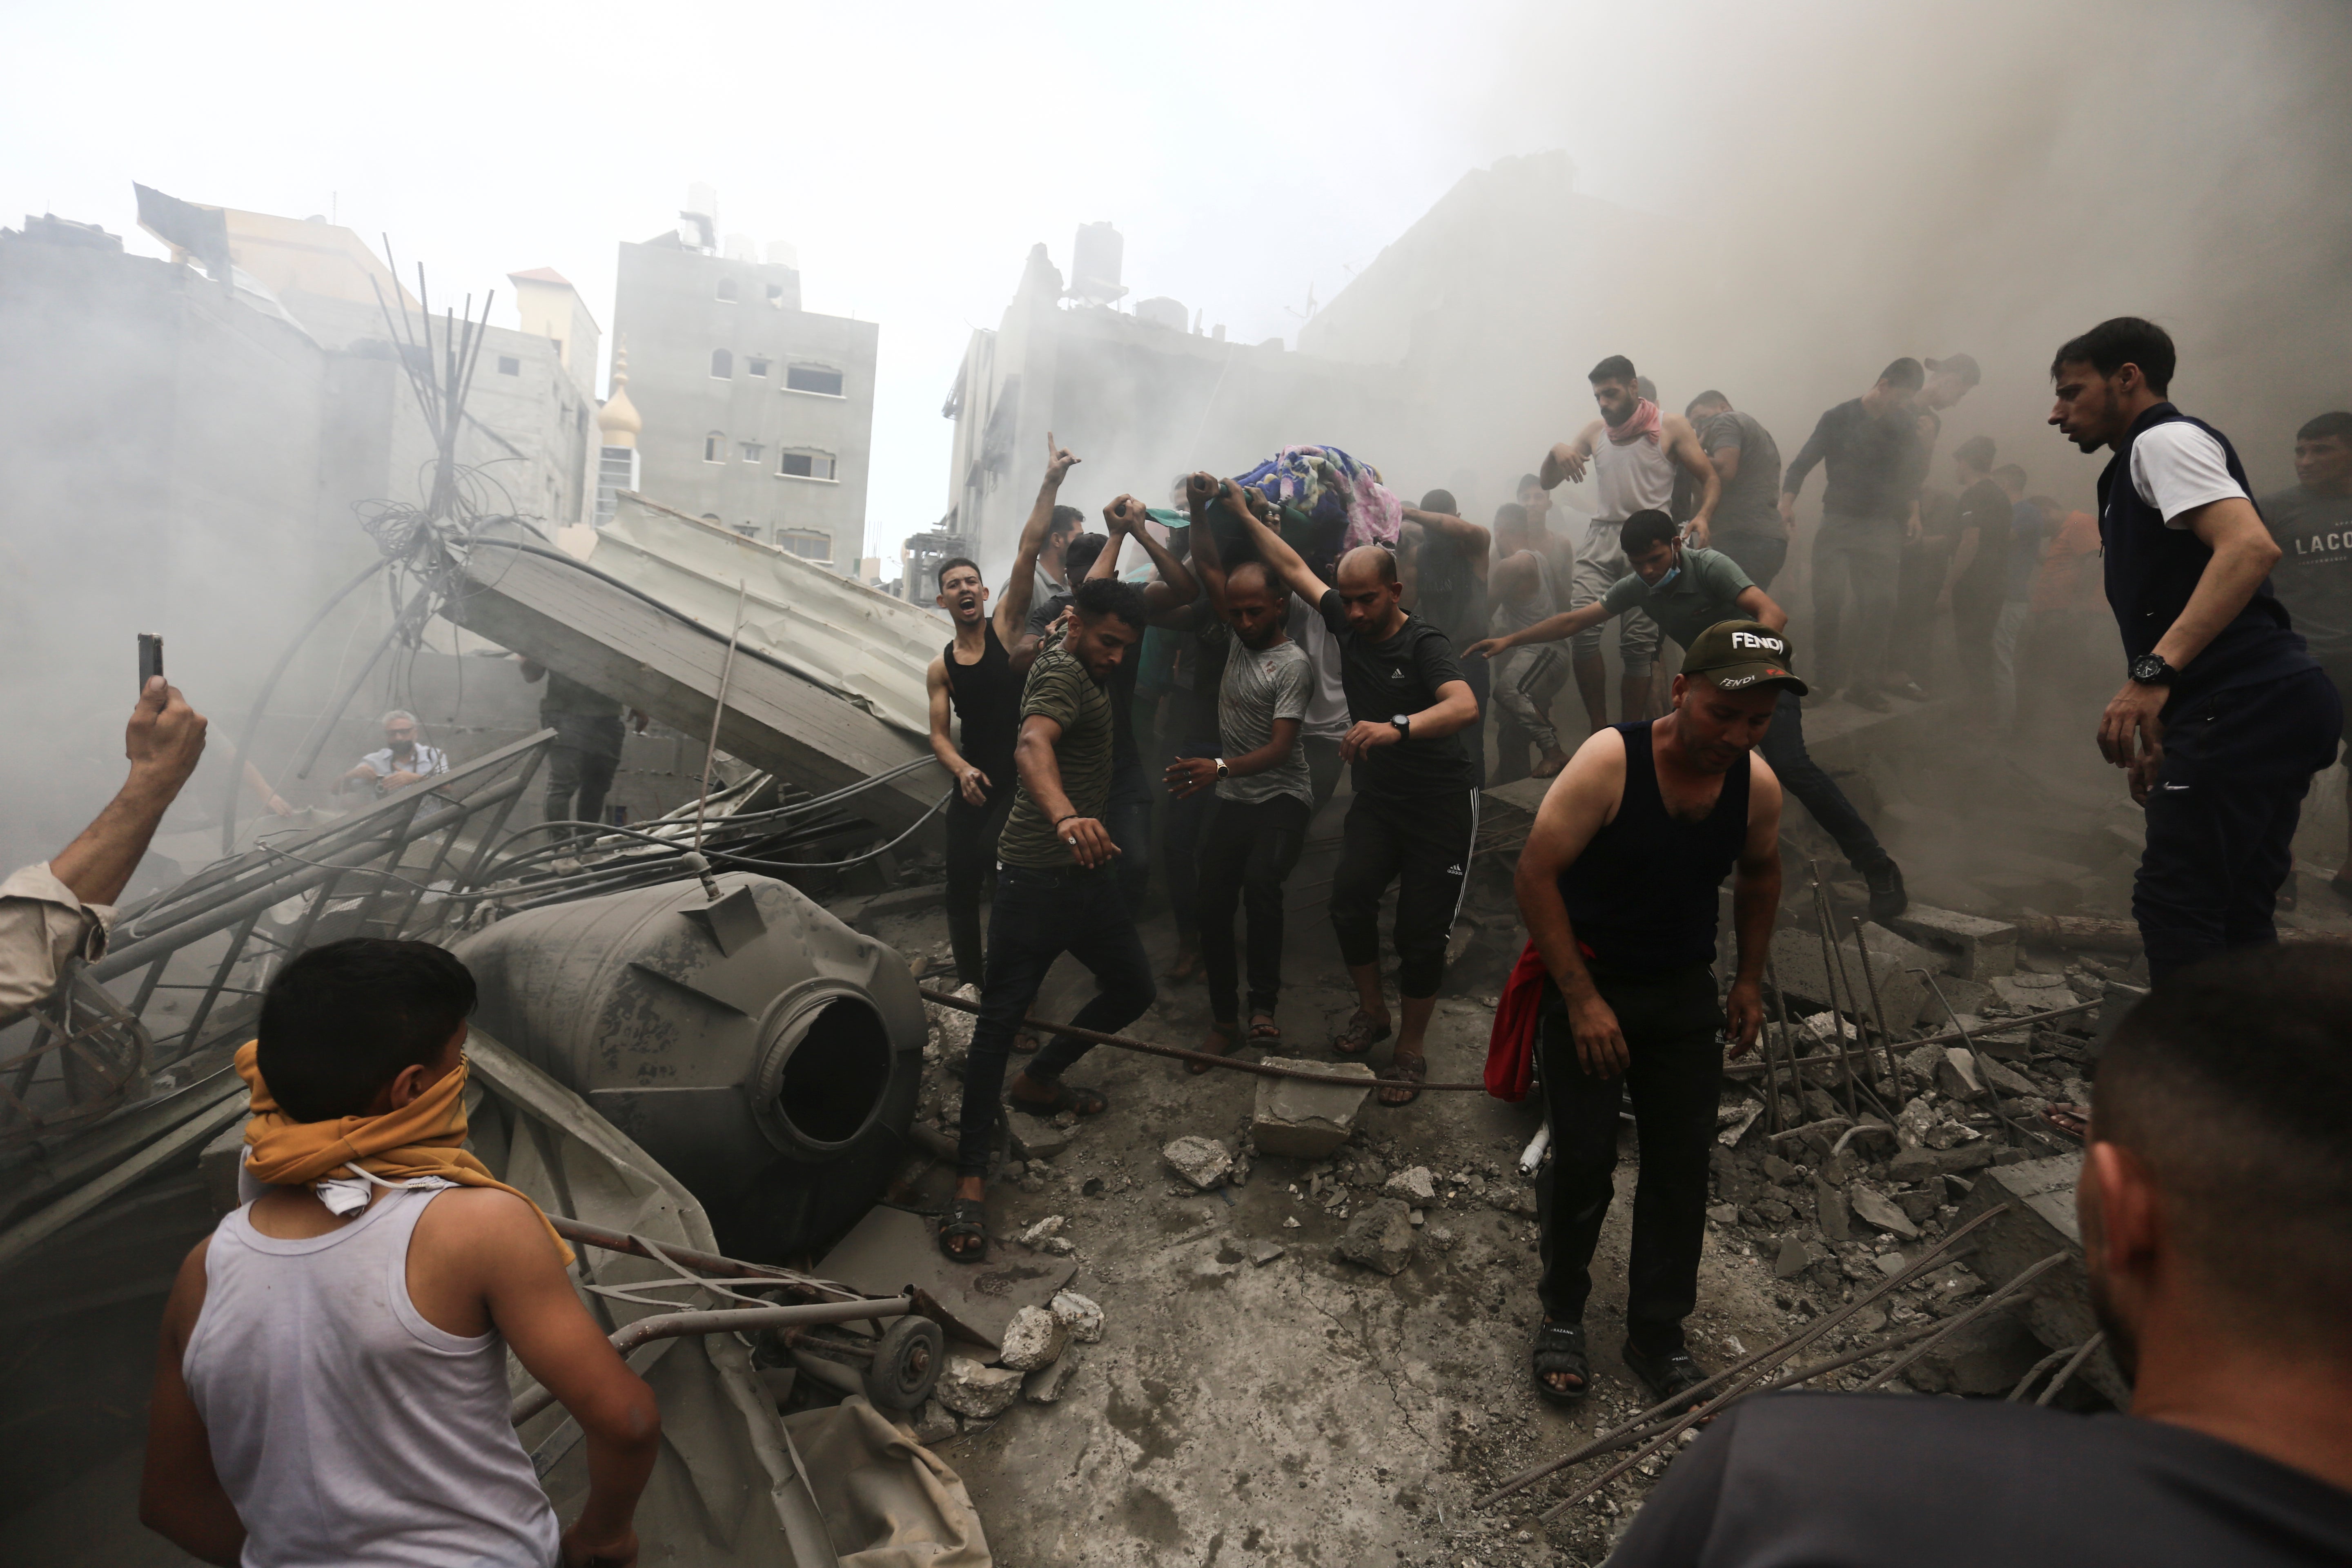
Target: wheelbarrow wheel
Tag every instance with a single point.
(907, 1362)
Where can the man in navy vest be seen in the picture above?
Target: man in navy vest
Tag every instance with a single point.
(2224, 717)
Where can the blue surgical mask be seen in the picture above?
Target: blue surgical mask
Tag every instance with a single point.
(1671, 572)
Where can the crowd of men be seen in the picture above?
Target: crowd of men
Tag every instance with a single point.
(332, 1384)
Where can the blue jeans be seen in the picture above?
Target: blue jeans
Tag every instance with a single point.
(1038, 916)
(1784, 749)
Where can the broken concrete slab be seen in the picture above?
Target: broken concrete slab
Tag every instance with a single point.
(1416, 1186)
(1920, 1164)
(1306, 1121)
(1203, 1162)
(1956, 1073)
(1831, 1212)
(1080, 1315)
(1262, 1253)
(2034, 993)
(970, 1388)
(1985, 1357)
(1880, 1210)
(1034, 1138)
(1971, 947)
(1380, 1237)
(2006, 1079)
(1047, 1384)
(1034, 1339)
(1797, 957)
(890, 1249)
(934, 1423)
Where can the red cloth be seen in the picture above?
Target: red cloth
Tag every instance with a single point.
(1642, 425)
(1511, 1044)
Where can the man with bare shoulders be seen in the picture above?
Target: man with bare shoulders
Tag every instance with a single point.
(1634, 449)
(975, 678)
(1618, 887)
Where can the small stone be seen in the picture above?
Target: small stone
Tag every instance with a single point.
(1776, 1169)
(1829, 1210)
(1379, 1238)
(1881, 1211)
(1793, 1259)
(1060, 1245)
(1032, 1339)
(1045, 1385)
(1079, 1315)
(1891, 1263)
(1290, 1222)
(932, 1424)
(1035, 1138)
(1920, 1206)
(1724, 1214)
(1203, 1162)
(1065, 1120)
(1416, 1216)
(1262, 1253)
(1037, 1235)
(1774, 1211)
(968, 1388)
(1415, 1186)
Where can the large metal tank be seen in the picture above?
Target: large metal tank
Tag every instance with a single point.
(767, 1055)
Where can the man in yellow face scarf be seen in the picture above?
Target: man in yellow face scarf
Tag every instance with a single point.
(333, 1385)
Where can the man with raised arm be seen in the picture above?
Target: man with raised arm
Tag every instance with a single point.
(974, 677)
(1415, 813)
(1618, 887)
(1170, 591)
(1634, 449)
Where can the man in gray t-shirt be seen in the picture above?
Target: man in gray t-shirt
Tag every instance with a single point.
(1748, 524)
(1264, 796)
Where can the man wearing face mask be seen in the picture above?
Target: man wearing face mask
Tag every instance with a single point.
(2215, 1205)
(1686, 590)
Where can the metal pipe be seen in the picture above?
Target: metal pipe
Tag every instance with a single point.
(2066, 1373)
(1825, 927)
(717, 713)
(711, 1263)
(334, 714)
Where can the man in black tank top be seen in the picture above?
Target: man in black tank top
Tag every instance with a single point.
(975, 678)
(1617, 886)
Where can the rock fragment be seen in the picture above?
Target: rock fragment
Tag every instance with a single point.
(1881, 1211)
(1306, 1121)
(1415, 1186)
(1380, 1237)
(1044, 1229)
(1035, 1138)
(1203, 1162)
(968, 1388)
(1046, 1385)
(1079, 1315)
(1262, 1253)
(932, 1424)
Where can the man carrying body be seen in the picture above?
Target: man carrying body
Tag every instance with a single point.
(2312, 525)
(2224, 717)
(404, 760)
(1415, 811)
(1167, 595)
(1688, 591)
(1634, 469)
(973, 676)
(1264, 797)
(1868, 510)
(1051, 574)
(1525, 594)
(2215, 1204)
(1056, 892)
(1749, 526)
(1618, 887)
(586, 750)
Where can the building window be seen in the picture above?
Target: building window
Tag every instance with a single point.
(756, 366)
(814, 378)
(727, 291)
(722, 366)
(714, 447)
(807, 465)
(510, 365)
(805, 543)
(775, 293)
(753, 451)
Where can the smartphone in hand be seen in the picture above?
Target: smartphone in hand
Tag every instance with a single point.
(151, 657)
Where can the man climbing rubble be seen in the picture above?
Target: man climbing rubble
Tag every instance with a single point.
(2215, 1202)
(1618, 887)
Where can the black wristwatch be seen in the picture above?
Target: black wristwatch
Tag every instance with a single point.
(1403, 722)
(2149, 670)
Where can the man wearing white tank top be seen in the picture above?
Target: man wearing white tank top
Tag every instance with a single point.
(332, 1389)
(1634, 449)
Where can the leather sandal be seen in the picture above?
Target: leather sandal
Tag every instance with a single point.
(1361, 1035)
(1558, 1351)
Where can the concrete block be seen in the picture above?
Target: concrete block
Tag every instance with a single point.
(1956, 1074)
(1034, 1138)
(1983, 1358)
(968, 1388)
(1034, 1339)
(1831, 1211)
(1918, 1164)
(1972, 947)
(1203, 1162)
(1306, 1121)
(1046, 1385)
(1797, 959)
(1080, 1315)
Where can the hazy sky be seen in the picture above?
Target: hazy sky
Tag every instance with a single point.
(914, 152)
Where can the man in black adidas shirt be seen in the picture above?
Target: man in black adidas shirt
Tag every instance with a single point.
(1416, 808)
(2216, 1214)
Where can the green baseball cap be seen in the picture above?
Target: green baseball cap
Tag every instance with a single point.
(1737, 654)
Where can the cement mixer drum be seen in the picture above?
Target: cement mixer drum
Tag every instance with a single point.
(767, 1055)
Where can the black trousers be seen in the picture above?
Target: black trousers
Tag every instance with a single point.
(1784, 750)
(972, 832)
(1245, 858)
(1670, 1021)
(1179, 838)
(2222, 814)
(1759, 555)
(580, 762)
(1422, 844)
(1038, 916)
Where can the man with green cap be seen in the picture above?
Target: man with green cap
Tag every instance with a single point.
(1618, 887)
(1686, 590)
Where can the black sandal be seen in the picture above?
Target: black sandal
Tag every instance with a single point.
(1361, 1035)
(1415, 1069)
(1079, 1101)
(964, 1220)
(1669, 1375)
(1558, 1351)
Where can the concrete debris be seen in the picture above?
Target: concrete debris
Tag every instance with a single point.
(1416, 1186)
(1306, 1121)
(1034, 1138)
(1734, 1120)
(1880, 1210)
(1380, 1237)
(1919, 1165)
(1047, 1384)
(1797, 955)
(1724, 1214)
(968, 1388)
(2034, 993)
(2006, 1079)
(1262, 1253)
(1956, 1075)
(1203, 1162)
(1985, 1357)
(932, 1424)
(1793, 1259)
(1080, 1315)
(1044, 1230)
(1969, 946)
(951, 1026)
(1831, 1211)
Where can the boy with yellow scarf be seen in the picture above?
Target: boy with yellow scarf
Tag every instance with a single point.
(332, 1386)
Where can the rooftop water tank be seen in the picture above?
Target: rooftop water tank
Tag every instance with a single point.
(767, 1055)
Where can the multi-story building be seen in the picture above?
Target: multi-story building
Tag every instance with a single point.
(755, 413)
